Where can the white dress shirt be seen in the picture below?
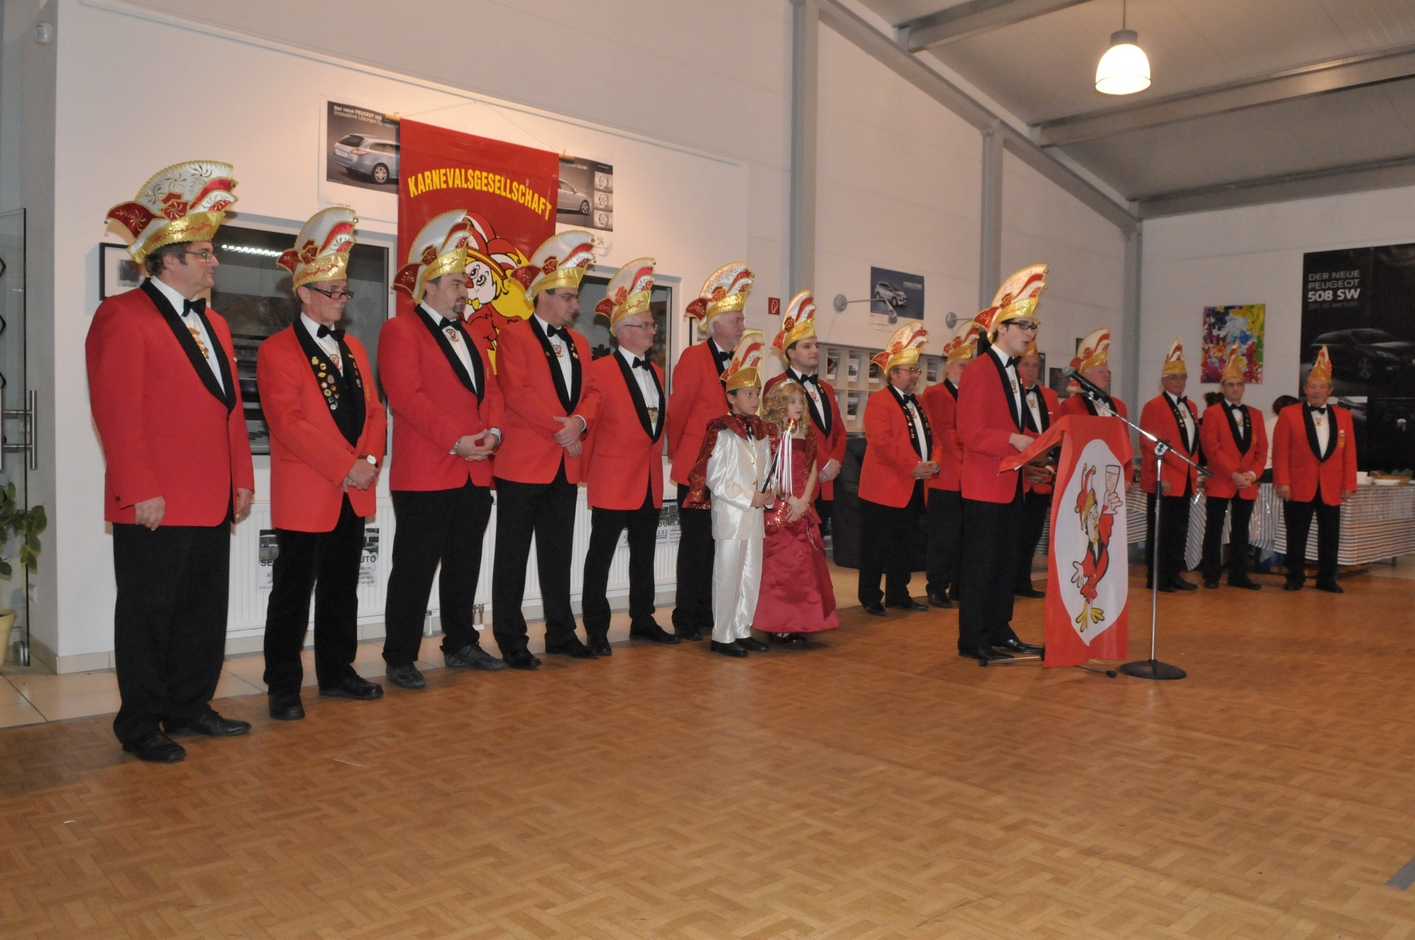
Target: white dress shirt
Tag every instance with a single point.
(1034, 401)
(193, 323)
(812, 390)
(1323, 423)
(1010, 370)
(329, 344)
(916, 416)
(458, 342)
(1188, 420)
(647, 386)
(561, 347)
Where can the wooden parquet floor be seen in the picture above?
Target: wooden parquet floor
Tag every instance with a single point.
(873, 786)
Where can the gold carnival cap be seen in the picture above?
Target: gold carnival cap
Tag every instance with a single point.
(797, 323)
(724, 292)
(560, 261)
(1321, 369)
(1236, 367)
(744, 371)
(1174, 360)
(440, 248)
(321, 251)
(903, 348)
(628, 292)
(964, 343)
(183, 203)
(1094, 351)
(1016, 299)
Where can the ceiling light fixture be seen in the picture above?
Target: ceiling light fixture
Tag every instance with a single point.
(1124, 69)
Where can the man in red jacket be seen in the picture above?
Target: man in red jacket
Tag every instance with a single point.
(1042, 405)
(327, 430)
(162, 386)
(945, 498)
(623, 460)
(1172, 418)
(992, 424)
(447, 418)
(550, 407)
(697, 398)
(1092, 360)
(1235, 442)
(897, 462)
(1314, 471)
(797, 344)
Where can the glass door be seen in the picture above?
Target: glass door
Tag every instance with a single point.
(16, 429)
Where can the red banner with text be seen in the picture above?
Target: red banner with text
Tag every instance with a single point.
(1088, 577)
(508, 192)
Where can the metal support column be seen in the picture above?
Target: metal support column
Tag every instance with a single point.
(1130, 318)
(990, 253)
(805, 46)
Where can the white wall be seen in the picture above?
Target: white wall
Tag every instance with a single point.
(1253, 256)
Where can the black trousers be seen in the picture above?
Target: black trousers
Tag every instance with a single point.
(547, 512)
(328, 564)
(1036, 507)
(693, 602)
(434, 526)
(886, 539)
(824, 507)
(1298, 517)
(605, 526)
(1215, 508)
(1174, 533)
(945, 521)
(169, 624)
(988, 570)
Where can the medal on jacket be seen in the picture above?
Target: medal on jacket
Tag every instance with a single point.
(559, 350)
(201, 346)
(653, 417)
(452, 334)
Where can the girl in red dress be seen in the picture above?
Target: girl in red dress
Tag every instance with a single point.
(796, 596)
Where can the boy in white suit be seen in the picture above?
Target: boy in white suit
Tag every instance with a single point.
(731, 469)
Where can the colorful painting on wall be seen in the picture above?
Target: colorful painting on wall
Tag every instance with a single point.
(1224, 326)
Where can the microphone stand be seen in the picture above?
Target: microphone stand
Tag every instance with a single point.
(1151, 668)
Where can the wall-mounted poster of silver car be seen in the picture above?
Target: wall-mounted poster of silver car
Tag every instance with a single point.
(895, 295)
(361, 147)
(586, 198)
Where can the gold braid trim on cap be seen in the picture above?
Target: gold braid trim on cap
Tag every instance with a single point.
(197, 227)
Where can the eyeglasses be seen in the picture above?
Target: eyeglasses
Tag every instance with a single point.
(564, 296)
(337, 293)
(639, 326)
(203, 255)
(1026, 326)
(908, 370)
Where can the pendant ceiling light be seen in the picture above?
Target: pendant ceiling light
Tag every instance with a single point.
(1124, 69)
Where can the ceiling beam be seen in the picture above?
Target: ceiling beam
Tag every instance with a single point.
(1333, 181)
(1288, 85)
(872, 42)
(971, 18)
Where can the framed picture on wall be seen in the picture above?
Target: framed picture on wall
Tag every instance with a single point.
(117, 271)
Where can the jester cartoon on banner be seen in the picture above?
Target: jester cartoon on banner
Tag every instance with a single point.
(508, 194)
(1087, 568)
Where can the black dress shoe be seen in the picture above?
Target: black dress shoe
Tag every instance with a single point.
(1212, 583)
(874, 610)
(789, 639)
(753, 645)
(939, 599)
(286, 706)
(732, 649)
(985, 654)
(156, 748)
(1183, 585)
(599, 645)
(213, 726)
(1015, 645)
(653, 633)
(1029, 592)
(1167, 588)
(1331, 587)
(907, 604)
(521, 659)
(406, 676)
(1292, 586)
(354, 686)
(572, 647)
(688, 633)
(1246, 584)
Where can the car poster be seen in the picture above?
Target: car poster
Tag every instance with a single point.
(896, 294)
(361, 148)
(585, 199)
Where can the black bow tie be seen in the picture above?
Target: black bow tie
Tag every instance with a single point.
(324, 331)
(197, 306)
(553, 331)
(1182, 400)
(1320, 411)
(814, 379)
(640, 364)
(907, 399)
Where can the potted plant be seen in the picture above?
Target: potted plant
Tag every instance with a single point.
(26, 525)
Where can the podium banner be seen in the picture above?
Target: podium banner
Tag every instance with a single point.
(508, 192)
(1088, 582)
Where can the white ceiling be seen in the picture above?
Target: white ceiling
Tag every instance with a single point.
(1043, 69)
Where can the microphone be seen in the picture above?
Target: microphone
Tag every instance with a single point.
(1089, 387)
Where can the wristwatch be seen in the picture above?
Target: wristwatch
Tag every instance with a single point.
(372, 459)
